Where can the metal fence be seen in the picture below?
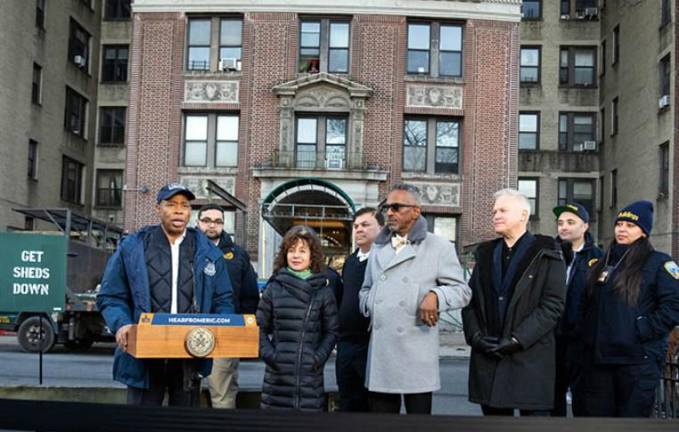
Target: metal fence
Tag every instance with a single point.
(667, 395)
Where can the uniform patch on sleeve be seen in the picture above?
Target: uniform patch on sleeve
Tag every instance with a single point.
(672, 268)
(592, 262)
(228, 255)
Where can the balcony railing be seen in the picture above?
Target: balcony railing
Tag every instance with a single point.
(319, 160)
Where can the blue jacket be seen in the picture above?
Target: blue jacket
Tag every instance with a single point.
(575, 286)
(617, 333)
(125, 295)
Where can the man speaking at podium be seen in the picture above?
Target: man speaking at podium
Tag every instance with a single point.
(164, 268)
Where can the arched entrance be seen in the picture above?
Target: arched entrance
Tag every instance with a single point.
(317, 203)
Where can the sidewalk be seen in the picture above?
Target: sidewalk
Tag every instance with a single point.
(453, 345)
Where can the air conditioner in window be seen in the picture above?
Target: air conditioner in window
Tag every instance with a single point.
(420, 69)
(591, 12)
(228, 64)
(589, 145)
(664, 101)
(565, 17)
(334, 163)
(579, 147)
(80, 60)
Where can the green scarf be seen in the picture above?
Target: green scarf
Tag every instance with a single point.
(304, 274)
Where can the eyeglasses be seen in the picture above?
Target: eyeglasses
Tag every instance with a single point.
(395, 207)
(208, 221)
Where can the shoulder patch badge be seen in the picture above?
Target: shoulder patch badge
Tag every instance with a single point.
(592, 262)
(228, 256)
(672, 268)
(210, 269)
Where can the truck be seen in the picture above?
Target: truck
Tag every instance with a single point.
(78, 324)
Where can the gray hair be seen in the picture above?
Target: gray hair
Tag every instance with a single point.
(413, 190)
(519, 196)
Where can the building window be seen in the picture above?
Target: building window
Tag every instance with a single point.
(602, 192)
(224, 44)
(577, 190)
(199, 44)
(614, 188)
(75, 113)
(577, 66)
(664, 184)
(230, 43)
(36, 85)
(529, 130)
(434, 139)
(665, 12)
(32, 159)
(602, 126)
(227, 141)
(602, 61)
(616, 45)
(71, 180)
(78, 46)
(529, 187)
(443, 226)
(665, 71)
(565, 8)
(531, 9)
(117, 10)
(577, 131)
(211, 137)
(614, 116)
(583, 8)
(109, 188)
(434, 49)
(114, 63)
(40, 14)
(321, 139)
(324, 46)
(530, 65)
(112, 126)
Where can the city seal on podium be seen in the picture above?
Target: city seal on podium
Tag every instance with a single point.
(200, 342)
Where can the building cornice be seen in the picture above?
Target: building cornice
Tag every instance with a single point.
(497, 10)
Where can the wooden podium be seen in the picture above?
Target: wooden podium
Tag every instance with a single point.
(194, 336)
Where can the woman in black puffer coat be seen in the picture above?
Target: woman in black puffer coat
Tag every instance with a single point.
(297, 318)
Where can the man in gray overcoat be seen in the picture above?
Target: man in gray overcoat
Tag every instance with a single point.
(412, 276)
(518, 290)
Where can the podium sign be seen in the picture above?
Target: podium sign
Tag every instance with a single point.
(164, 335)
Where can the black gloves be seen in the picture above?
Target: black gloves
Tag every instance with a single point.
(484, 344)
(507, 346)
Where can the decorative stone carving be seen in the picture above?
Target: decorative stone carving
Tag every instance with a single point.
(198, 184)
(211, 91)
(434, 96)
(323, 97)
(440, 195)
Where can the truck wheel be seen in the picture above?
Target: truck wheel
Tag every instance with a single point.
(30, 338)
(79, 345)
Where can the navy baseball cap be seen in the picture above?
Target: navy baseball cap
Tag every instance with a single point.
(172, 189)
(577, 209)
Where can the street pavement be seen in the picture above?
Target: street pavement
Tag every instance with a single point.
(92, 368)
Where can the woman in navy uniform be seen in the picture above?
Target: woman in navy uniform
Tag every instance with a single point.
(631, 304)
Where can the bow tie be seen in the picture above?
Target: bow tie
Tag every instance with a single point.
(398, 242)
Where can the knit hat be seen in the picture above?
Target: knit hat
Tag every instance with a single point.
(639, 213)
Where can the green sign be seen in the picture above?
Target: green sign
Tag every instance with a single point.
(32, 272)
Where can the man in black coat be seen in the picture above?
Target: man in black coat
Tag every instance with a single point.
(518, 292)
(580, 253)
(352, 348)
(223, 382)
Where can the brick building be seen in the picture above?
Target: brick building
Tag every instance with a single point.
(301, 111)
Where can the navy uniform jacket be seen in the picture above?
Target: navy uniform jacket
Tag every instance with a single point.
(618, 333)
(125, 295)
(243, 276)
(575, 286)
